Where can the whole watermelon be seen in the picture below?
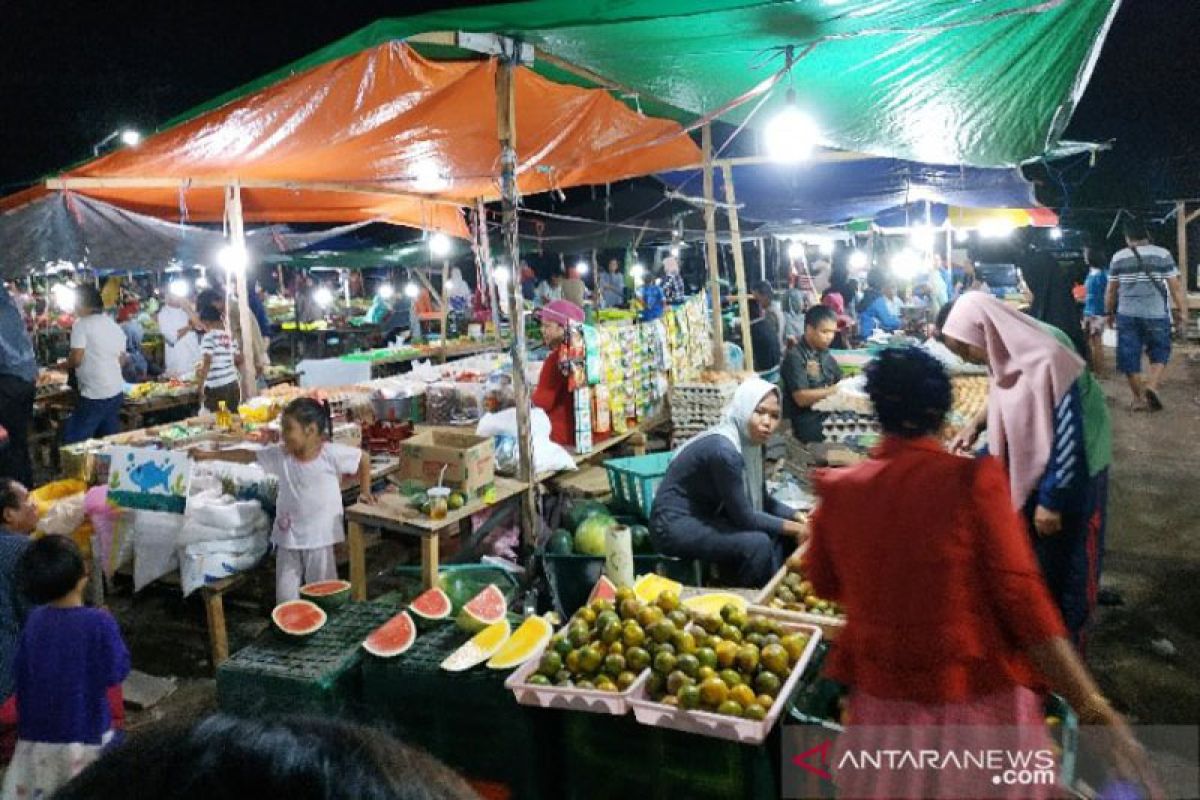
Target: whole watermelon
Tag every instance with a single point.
(589, 536)
(560, 543)
(582, 510)
(639, 536)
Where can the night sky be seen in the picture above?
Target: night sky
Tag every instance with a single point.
(71, 72)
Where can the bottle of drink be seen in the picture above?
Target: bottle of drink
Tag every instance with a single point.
(224, 418)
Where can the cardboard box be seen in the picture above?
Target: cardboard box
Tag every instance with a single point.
(470, 460)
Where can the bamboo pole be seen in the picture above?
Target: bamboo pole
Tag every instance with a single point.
(506, 131)
(739, 264)
(1181, 223)
(237, 238)
(445, 301)
(485, 254)
(710, 243)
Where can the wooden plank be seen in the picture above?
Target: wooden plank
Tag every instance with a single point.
(356, 547)
(429, 561)
(739, 265)
(237, 239)
(710, 242)
(218, 639)
(393, 514)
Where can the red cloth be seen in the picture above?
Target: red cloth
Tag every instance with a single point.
(935, 570)
(553, 395)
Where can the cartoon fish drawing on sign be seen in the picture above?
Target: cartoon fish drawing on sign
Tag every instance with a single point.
(148, 475)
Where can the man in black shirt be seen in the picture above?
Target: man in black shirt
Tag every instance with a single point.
(810, 374)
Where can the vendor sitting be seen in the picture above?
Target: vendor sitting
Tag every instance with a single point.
(553, 392)
(713, 504)
(810, 374)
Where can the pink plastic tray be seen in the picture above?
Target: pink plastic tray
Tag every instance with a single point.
(830, 626)
(707, 723)
(590, 700)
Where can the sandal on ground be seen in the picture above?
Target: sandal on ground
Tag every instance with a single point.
(1152, 399)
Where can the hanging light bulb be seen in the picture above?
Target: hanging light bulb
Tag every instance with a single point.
(1056, 233)
(233, 258)
(427, 176)
(581, 267)
(501, 275)
(637, 272)
(385, 291)
(791, 134)
(675, 250)
(906, 264)
(323, 297)
(795, 250)
(411, 290)
(961, 235)
(201, 282)
(64, 297)
(858, 260)
(921, 238)
(825, 247)
(178, 287)
(439, 245)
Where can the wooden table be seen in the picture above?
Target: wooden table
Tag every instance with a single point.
(392, 514)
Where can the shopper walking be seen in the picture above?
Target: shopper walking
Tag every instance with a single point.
(1143, 279)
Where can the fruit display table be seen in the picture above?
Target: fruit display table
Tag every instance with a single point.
(392, 514)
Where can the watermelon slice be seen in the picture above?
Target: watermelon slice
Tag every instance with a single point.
(298, 619)
(392, 637)
(603, 590)
(431, 607)
(329, 595)
(484, 609)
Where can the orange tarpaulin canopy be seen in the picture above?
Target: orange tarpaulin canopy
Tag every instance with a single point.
(381, 134)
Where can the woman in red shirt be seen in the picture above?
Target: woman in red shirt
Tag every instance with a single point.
(948, 619)
(553, 392)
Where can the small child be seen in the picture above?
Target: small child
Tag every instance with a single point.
(217, 373)
(1094, 319)
(308, 508)
(69, 658)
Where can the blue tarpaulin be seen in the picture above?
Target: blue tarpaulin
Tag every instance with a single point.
(836, 192)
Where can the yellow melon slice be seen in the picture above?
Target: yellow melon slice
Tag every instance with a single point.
(480, 648)
(523, 645)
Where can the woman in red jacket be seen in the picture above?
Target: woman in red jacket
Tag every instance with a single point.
(949, 620)
(553, 391)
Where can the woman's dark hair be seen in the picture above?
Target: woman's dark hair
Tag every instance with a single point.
(88, 296)
(9, 492)
(943, 315)
(819, 314)
(298, 758)
(210, 313)
(50, 568)
(307, 411)
(910, 390)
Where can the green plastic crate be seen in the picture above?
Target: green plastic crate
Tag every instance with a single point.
(466, 719)
(605, 757)
(319, 674)
(634, 481)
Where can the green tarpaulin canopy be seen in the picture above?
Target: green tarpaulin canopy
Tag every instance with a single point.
(983, 82)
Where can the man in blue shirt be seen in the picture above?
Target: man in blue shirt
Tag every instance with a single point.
(18, 379)
(1096, 285)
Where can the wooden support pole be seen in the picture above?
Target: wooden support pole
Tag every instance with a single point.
(506, 131)
(710, 244)
(485, 254)
(237, 239)
(1181, 223)
(445, 300)
(739, 265)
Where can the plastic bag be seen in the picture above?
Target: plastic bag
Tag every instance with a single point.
(207, 562)
(64, 516)
(155, 546)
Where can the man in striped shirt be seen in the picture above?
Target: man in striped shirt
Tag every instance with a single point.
(217, 374)
(1142, 280)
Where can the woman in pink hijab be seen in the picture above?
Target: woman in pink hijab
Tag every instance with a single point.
(1047, 423)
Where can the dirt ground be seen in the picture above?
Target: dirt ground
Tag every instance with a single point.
(1153, 560)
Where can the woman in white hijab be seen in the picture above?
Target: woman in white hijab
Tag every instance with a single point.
(712, 505)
